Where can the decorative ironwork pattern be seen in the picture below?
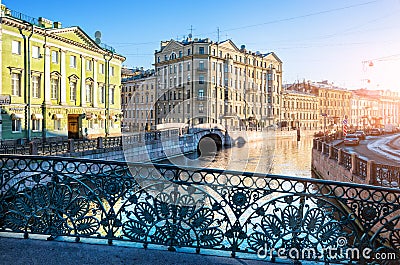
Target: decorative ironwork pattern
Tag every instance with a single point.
(23, 149)
(361, 167)
(387, 175)
(335, 153)
(383, 175)
(52, 148)
(195, 208)
(346, 160)
(85, 145)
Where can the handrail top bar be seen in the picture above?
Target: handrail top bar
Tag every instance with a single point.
(205, 170)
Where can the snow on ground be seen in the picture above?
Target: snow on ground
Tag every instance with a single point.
(381, 147)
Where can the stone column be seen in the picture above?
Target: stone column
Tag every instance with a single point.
(330, 151)
(339, 158)
(63, 86)
(47, 83)
(83, 82)
(371, 173)
(353, 169)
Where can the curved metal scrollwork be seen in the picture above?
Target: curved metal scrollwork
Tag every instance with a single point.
(197, 208)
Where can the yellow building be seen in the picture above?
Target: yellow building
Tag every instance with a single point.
(55, 81)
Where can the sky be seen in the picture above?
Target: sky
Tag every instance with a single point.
(316, 40)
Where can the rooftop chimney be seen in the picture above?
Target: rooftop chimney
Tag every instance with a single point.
(44, 22)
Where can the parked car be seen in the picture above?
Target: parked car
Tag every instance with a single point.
(351, 139)
(360, 134)
(374, 131)
(318, 134)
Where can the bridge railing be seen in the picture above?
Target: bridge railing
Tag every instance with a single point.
(241, 213)
(368, 170)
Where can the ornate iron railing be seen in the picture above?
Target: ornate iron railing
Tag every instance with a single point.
(112, 143)
(383, 175)
(387, 176)
(335, 153)
(346, 160)
(198, 209)
(360, 168)
(20, 149)
(52, 148)
(85, 145)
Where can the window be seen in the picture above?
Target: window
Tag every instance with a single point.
(201, 50)
(54, 88)
(89, 93)
(35, 52)
(111, 94)
(201, 108)
(112, 70)
(16, 84)
(89, 65)
(102, 94)
(201, 65)
(201, 79)
(16, 47)
(16, 125)
(54, 56)
(101, 68)
(36, 86)
(188, 66)
(188, 52)
(36, 125)
(72, 61)
(72, 90)
(180, 54)
(201, 94)
(57, 125)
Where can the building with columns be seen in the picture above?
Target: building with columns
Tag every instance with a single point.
(300, 109)
(201, 81)
(364, 112)
(138, 99)
(55, 81)
(334, 104)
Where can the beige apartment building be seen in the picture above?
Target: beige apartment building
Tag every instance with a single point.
(138, 99)
(201, 81)
(300, 109)
(364, 109)
(334, 104)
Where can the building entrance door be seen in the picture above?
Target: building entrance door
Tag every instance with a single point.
(73, 126)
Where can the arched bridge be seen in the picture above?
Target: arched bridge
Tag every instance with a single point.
(209, 138)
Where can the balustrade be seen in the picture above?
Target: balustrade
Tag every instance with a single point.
(200, 209)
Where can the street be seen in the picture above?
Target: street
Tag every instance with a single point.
(377, 148)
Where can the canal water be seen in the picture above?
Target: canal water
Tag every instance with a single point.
(274, 154)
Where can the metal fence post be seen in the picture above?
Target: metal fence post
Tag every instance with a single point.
(100, 143)
(71, 147)
(33, 150)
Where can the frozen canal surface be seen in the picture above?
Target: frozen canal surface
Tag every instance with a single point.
(282, 155)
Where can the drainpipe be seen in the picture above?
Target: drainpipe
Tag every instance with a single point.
(44, 92)
(107, 96)
(27, 81)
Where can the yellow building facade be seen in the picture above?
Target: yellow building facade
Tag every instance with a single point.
(55, 81)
